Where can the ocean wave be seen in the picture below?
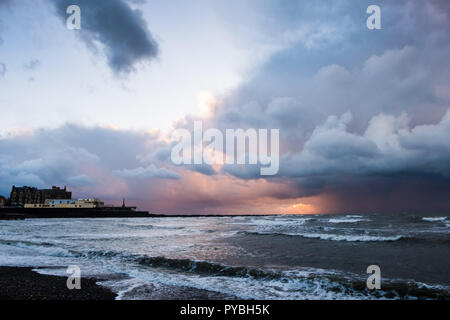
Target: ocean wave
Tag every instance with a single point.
(206, 268)
(43, 248)
(266, 222)
(200, 267)
(305, 283)
(135, 226)
(102, 254)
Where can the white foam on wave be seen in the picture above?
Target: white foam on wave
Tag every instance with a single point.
(349, 238)
(272, 222)
(297, 285)
(340, 220)
(300, 284)
(433, 219)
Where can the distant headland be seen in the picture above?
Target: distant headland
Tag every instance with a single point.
(30, 202)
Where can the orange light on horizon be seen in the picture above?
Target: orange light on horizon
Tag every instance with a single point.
(303, 208)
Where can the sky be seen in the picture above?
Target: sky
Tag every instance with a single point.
(363, 114)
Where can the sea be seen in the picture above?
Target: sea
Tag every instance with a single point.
(283, 257)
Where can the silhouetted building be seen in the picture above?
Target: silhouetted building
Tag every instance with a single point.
(2, 201)
(22, 195)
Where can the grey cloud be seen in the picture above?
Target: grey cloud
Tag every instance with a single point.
(2, 69)
(121, 30)
(73, 155)
(242, 171)
(137, 1)
(33, 64)
(40, 167)
(394, 81)
(205, 169)
(1, 27)
(80, 180)
(162, 154)
(148, 172)
(106, 143)
(388, 146)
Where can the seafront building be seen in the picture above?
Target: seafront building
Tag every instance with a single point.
(67, 203)
(31, 195)
(55, 198)
(32, 203)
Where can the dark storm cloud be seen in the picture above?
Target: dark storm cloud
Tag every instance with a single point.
(120, 29)
(389, 146)
(366, 115)
(385, 165)
(364, 72)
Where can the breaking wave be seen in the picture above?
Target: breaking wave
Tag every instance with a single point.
(331, 237)
(349, 238)
(43, 248)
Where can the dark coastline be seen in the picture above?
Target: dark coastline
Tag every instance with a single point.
(19, 283)
(44, 213)
(32, 213)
